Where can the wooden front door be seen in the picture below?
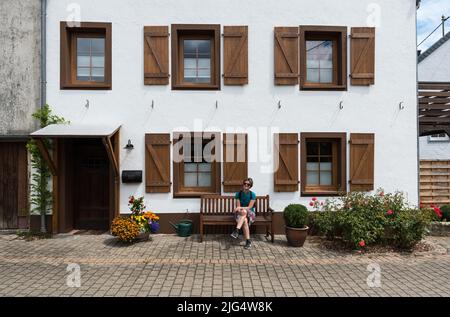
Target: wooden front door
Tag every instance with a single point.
(91, 185)
(13, 183)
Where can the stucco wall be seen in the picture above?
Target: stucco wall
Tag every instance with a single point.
(439, 150)
(20, 22)
(371, 109)
(436, 67)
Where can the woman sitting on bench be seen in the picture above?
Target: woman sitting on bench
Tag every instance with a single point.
(245, 211)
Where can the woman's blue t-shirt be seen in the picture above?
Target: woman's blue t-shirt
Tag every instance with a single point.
(245, 198)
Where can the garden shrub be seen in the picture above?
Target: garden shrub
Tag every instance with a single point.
(361, 219)
(445, 209)
(295, 215)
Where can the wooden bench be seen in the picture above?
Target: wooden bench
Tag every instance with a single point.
(219, 210)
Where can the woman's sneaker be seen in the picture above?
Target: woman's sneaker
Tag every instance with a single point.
(248, 244)
(235, 234)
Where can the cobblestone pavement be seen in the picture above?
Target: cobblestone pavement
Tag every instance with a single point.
(173, 266)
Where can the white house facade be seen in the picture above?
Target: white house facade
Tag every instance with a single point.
(332, 83)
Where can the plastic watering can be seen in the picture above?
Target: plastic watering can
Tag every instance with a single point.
(183, 228)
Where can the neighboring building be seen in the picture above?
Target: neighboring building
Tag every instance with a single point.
(434, 122)
(145, 71)
(20, 34)
(434, 66)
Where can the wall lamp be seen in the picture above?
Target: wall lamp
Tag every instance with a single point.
(129, 145)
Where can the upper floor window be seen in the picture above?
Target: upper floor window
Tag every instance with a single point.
(86, 56)
(323, 57)
(195, 56)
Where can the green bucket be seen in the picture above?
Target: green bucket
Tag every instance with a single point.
(183, 228)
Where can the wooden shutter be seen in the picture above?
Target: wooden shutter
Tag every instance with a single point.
(156, 55)
(363, 56)
(286, 157)
(157, 163)
(286, 55)
(235, 55)
(235, 158)
(362, 161)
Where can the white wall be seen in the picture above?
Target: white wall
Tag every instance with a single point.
(371, 109)
(436, 67)
(430, 150)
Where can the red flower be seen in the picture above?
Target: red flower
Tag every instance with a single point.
(311, 204)
(381, 194)
(362, 243)
(314, 199)
(389, 212)
(131, 199)
(438, 211)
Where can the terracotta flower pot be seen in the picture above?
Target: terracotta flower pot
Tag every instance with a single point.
(296, 236)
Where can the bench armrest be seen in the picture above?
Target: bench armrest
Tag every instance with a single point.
(270, 210)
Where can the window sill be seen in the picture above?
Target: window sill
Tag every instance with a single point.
(192, 194)
(322, 87)
(88, 86)
(195, 87)
(321, 193)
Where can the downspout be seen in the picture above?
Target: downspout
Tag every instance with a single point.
(43, 76)
(417, 113)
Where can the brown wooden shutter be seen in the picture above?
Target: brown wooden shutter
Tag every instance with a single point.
(362, 161)
(235, 158)
(235, 55)
(363, 56)
(286, 55)
(286, 157)
(157, 163)
(156, 55)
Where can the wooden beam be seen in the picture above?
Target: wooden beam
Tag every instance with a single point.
(46, 155)
(112, 159)
(55, 191)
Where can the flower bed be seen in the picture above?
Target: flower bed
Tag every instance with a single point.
(359, 220)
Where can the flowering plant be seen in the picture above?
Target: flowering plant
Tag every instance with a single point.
(146, 220)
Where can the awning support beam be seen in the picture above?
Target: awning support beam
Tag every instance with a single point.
(112, 158)
(46, 155)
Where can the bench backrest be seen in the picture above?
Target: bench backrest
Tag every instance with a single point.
(222, 205)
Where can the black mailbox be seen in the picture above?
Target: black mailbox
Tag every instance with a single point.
(131, 176)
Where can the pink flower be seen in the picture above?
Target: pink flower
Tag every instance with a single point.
(389, 212)
(321, 203)
(381, 194)
(362, 243)
(314, 199)
(311, 204)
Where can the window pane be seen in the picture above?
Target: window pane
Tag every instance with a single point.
(325, 166)
(190, 63)
(98, 74)
(83, 60)
(312, 178)
(326, 75)
(312, 75)
(325, 148)
(98, 61)
(204, 179)
(325, 178)
(204, 63)
(98, 46)
(312, 148)
(83, 73)
(190, 179)
(83, 45)
(190, 167)
(204, 167)
(312, 166)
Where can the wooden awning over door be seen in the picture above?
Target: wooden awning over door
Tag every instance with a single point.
(434, 108)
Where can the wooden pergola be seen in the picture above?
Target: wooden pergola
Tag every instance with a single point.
(434, 108)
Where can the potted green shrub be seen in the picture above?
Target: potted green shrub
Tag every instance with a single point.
(296, 218)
